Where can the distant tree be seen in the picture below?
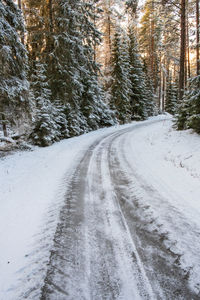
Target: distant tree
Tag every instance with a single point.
(151, 107)
(138, 96)
(182, 50)
(149, 38)
(171, 100)
(36, 15)
(121, 84)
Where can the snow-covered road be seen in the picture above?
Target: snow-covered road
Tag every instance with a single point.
(113, 214)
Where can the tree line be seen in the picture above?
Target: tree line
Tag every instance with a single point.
(68, 67)
(169, 39)
(52, 84)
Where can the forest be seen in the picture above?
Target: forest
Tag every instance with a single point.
(68, 67)
(99, 149)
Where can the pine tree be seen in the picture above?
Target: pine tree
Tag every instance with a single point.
(182, 115)
(188, 115)
(194, 104)
(49, 123)
(14, 87)
(189, 110)
(121, 85)
(72, 68)
(171, 97)
(92, 105)
(182, 50)
(138, 99)
(149, 37)
(37, 26)
(150, 104)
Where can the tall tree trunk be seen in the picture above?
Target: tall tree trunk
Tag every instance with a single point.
(160, 86)
(188, 48)
(108, 44)
(19, 4)
(95, 45)
(109, 41)
(182, 50)
(152, 47)
(163, 89)
(50, 16)
(197, 34)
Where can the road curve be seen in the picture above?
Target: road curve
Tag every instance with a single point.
(102, 249)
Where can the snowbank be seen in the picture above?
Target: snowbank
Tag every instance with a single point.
(167, 165)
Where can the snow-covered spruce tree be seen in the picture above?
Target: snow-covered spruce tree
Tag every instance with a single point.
(49, 124)
(182, 114)
(138, 100)
(194, 106)
(92, 105)
(121, 84)
(14, 87)
(188, 115)
(150, 104)
(72, 70)
(37, 27)
(171, 97)
(65, 61)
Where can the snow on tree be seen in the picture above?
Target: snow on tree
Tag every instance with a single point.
(49, 123)
(138, 98)
(72, 68)
(188, 115)
(194, 107)
(92, 105)
(150, 96)
(121, 84)
(171, 97)
(14, 87)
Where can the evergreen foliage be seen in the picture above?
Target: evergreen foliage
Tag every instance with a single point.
(121, 84)
(37, 26)
(151, 108)
(138, 99)
(171, 97)
(49, 123)
(189, 111)
(72, 68)
(14, 87)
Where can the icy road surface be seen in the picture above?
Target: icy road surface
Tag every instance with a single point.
(125, 226)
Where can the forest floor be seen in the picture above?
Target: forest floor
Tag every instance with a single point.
(113, 214)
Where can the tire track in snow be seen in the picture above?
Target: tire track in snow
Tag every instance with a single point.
(101, 248)
(129, 275)
(161, 262)
(69, 275)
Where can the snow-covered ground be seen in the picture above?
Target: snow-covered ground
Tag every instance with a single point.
(33, 186)
(166, 167)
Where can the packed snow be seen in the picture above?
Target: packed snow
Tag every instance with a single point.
(167, 163)
(33, 186)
